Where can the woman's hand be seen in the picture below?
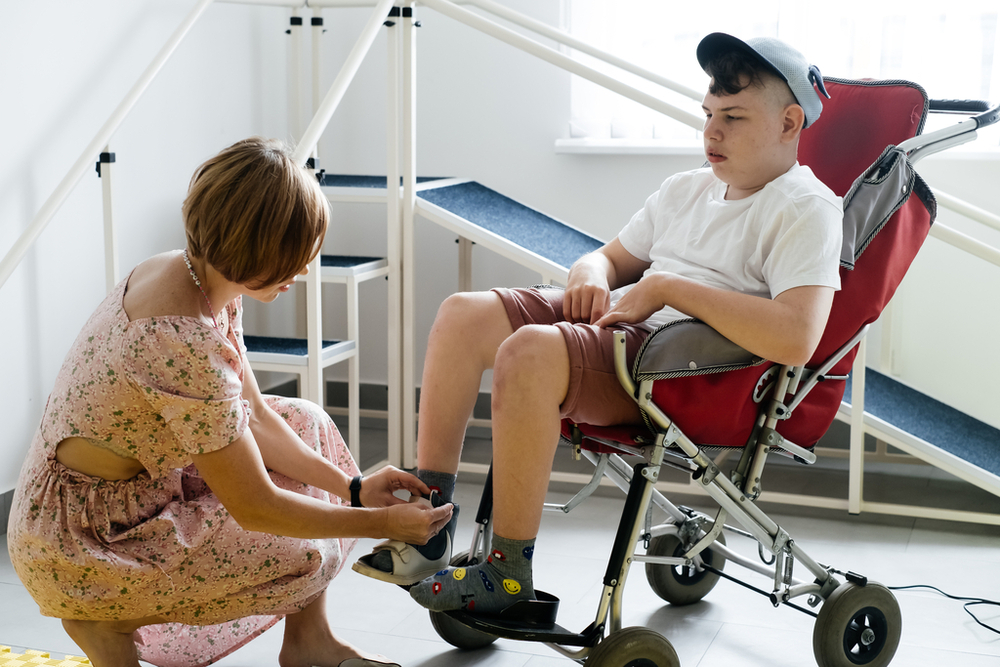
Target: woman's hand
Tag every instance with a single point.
(416, 523)
(377, 489)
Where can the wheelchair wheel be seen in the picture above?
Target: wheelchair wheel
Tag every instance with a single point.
(857, 625)
(634, 647)
(678, 584)
(459, 635)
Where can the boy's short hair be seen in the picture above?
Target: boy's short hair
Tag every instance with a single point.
(734, 71)
(254, 214)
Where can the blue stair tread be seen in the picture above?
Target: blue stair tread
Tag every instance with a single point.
(357, 181)
(346, 261)
(545, 236)
(931, 420)
(278, 345)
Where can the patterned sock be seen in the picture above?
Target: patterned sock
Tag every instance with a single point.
(486, 588)
(444, 484)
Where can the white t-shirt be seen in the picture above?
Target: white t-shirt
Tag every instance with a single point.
(786, 235)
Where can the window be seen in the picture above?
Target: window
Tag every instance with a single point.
(952, 51)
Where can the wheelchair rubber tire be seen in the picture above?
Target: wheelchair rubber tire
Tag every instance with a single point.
(857, 625)
(458, 635)
(634, 647)
(677, 585)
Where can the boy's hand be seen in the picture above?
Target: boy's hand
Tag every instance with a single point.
(587, 294)
(639, 303)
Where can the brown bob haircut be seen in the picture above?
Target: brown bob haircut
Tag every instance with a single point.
(255, 215)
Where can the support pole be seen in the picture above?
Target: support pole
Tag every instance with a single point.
(105, 169)
(295, 74)
(409, 208)
(317, 65)
(856, 467)
(394, 244)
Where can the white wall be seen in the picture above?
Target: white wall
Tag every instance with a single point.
(485, 111)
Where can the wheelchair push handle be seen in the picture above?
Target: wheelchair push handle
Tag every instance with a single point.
(985, 114)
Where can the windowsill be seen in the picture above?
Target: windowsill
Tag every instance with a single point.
(654, 147)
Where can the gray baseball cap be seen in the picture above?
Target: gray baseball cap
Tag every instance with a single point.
(779, 58)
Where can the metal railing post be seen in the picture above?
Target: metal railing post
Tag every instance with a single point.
(409, 207)
(394, 235)
(105, 169)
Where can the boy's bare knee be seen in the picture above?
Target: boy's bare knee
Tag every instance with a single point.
(537, 351)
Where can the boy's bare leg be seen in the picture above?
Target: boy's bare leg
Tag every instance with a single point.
(530, 381)
(468, 330)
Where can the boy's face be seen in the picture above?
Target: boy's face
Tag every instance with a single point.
(746, 138)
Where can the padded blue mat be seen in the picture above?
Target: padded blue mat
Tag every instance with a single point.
(505, 217)
(277, 345)
(345, 261)
(349, 181)
(931, 420)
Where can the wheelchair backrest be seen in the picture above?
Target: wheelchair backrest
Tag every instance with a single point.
(888, 213)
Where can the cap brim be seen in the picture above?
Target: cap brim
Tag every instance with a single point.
(718, 43)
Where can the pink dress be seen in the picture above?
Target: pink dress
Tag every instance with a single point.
(161, 543)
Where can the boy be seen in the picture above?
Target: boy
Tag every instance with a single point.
(749, 245)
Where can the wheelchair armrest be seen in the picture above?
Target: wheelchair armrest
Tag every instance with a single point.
(689, 347)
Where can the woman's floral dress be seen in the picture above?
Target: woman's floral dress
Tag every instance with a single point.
(161, 544)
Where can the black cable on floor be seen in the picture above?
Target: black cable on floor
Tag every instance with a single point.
(968, 602)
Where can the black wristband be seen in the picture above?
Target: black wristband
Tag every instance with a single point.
(356, 491)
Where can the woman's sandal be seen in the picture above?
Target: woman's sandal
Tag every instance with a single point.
(365, 662)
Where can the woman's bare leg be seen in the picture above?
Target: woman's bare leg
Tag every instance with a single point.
(310, 641)
(108, 643)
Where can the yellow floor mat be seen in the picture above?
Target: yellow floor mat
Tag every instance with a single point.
(36, 658)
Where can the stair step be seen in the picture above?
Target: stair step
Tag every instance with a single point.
(342, 266)
(356, 181)
(473, 205)
(931, 420)
(292, 351)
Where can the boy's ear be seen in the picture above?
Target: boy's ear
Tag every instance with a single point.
(792, 121)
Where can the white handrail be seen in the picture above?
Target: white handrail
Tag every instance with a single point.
(583, 47)
(966, 243)
(561, 60)
(319, 122)
(967, 209)
(93, 149)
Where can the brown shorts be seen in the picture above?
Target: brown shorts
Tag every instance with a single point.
(595, 396)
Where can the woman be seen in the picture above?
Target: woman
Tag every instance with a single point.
(167, 510)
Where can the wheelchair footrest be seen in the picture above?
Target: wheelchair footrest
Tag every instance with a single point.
(528, 620)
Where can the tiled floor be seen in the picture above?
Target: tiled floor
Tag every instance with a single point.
(732, 627)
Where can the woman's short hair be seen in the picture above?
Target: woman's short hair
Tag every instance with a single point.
(254, 214)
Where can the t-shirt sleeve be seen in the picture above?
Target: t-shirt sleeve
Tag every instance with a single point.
(190, 375)
(805, 246)
(638, 235)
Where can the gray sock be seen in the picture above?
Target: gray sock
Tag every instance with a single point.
(442, 482)
(486, 588)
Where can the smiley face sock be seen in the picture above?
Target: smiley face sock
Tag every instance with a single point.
(485, 588)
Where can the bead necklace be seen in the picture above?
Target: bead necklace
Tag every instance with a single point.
(194, 276)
